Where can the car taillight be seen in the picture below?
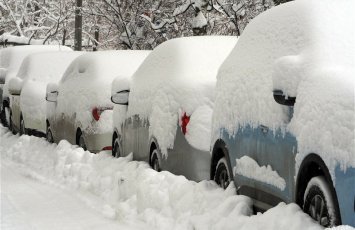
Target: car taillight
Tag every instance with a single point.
(184, 121)
(97, 111)
(107, 148)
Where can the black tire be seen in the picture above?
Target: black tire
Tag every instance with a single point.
(49, 135)
(81, 141)
(7, 114)
(11, 125)
(22, 127)
(154, 161)
(116, 150)
(319, 202)
(222, 176)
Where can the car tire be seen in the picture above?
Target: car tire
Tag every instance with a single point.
(7, 116)
(49, 135)
(116, 150)
(22, 127)
(11, 125)
(81, 141)
(222, 176)
(154, 161)
(319, 202)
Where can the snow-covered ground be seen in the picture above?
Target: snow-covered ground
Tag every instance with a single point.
(49, 186)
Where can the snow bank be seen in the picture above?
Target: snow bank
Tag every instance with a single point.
(130, 191)
(12, 57)
(37, 70)
(298, 48)
(87, 84)
(177, 78)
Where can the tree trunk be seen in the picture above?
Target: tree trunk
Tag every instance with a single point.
(78, 26)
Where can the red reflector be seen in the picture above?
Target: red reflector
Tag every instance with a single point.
(184, 121)
(107, 148)
(96, 114)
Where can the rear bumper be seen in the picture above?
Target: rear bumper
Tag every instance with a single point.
(96, 142)
(345, 188)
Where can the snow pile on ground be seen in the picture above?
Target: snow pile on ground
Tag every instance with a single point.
(130, 191)
(12, 57)
(177, 78)
(295, 47)
(37, 70)
(87, 83)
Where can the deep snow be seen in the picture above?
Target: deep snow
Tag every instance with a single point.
(125, 192)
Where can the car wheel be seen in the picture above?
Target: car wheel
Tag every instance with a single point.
(22, 127)
(154, 161)
(7, 117)
(222, 176)
(116, 151)
(11, 125)
(319, 203)
(49, 135)
(82, 142)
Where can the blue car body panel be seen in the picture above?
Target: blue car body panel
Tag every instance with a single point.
(278, 149)
(345, 188)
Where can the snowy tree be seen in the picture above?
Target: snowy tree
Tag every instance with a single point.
(35, 19)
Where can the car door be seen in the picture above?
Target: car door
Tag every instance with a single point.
(129, 135)
(276, 152)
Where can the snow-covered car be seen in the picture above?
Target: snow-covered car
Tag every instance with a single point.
(28, 89)
(79, 108)
(165, 111)
(10, 62)
(283, 121)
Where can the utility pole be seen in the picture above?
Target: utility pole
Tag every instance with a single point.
(78, 26)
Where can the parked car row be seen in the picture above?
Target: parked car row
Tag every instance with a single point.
(273, 112)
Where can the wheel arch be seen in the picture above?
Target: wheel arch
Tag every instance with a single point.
(153, 144)
(313, 165)
(219, 151)
(77, 135)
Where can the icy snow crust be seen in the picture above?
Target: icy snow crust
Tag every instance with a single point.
(298, 48)
(87, 84)
(37, 70)
(179, 77)
(131, 192)
(12, 57)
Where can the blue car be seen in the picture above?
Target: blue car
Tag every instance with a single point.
(284, 116)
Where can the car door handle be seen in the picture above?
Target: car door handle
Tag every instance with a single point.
(264, 129)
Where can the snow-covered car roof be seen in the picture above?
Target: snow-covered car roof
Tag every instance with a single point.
(100, 65)
(12, 57)
(46, 66)
(307, 49)
(189, 63)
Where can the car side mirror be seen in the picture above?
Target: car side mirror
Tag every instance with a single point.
(52, 92)
(52, 96)
(286, 76)
(282, 99)
(121, 97)
(15, 86)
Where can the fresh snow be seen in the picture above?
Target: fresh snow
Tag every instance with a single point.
(248, 167)
(178, 77)
(87, 84)
(295, 47)
(12, 57)
(45, 185)
(37, 70)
